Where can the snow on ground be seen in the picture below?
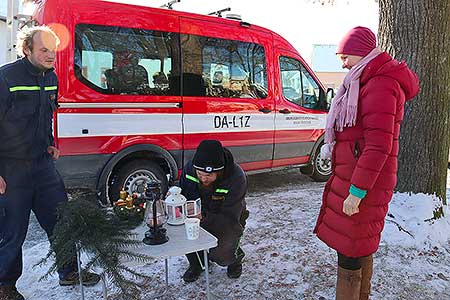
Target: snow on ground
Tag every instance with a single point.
(284, 259)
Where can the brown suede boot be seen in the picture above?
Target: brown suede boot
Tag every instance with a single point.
(348, 284)
(366, 272)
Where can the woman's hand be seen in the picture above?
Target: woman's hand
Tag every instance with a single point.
(351, 205)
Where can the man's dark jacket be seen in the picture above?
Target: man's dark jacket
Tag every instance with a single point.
(224, 204)
(28, 98)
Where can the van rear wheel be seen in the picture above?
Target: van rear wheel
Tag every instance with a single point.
(319, 169)
(132, 177)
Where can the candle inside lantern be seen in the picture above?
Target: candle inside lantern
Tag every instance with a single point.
(155, 215)
(175, 206)
(159, 220)
(160, 213)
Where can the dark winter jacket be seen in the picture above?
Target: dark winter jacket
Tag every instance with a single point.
(365, 156)
(224, 204)
(28, 99)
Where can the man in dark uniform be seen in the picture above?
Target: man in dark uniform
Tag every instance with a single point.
(28, 178)
(213, 176)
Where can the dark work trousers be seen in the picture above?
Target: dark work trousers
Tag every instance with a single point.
(30, 185)
(228, 250)
(226, 253)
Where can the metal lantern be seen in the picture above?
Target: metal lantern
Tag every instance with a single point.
(175, 206)
(155, 215)
(194, 208)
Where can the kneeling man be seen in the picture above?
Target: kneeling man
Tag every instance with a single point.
(213, 176)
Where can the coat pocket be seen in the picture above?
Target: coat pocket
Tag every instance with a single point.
(52, 100)
(216, 203)
(24, 105)
(356, 150)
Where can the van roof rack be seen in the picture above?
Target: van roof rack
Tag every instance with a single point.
(236, 17)
(170, 4)
(219, 12)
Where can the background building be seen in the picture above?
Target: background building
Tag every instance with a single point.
(13, 14)
(327, 66)
(3, 32)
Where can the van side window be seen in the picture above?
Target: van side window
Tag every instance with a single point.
(298, 85)
(223, 68)
(127, 61)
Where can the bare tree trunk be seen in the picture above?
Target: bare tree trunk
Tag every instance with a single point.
(418, 31)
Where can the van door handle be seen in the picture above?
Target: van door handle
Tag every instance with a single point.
(265, 110)
(285, 111)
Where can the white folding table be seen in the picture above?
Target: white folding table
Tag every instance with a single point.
(177, 245)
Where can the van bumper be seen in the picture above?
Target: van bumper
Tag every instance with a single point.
(81, 171)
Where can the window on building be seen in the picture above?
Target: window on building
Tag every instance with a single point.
(127, 61)
(223, 68)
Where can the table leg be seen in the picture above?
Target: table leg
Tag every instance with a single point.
(79, 269)
(167, 272)
(205, 255)
(105, 292)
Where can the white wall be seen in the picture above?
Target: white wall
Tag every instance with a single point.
(3, 37)
(3, 31)
(3, 7)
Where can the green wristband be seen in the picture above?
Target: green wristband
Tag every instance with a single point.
(357, 192)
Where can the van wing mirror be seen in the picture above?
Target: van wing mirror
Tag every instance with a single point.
(325, 99)
(329, 97)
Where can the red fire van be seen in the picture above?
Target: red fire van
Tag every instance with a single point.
(140, 87)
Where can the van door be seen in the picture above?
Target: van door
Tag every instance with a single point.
(300, 116)
(227, 92)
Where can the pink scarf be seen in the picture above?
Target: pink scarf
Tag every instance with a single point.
(344, 106)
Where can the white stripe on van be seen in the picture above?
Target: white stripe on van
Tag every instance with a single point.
(119, 105)
(73, 124)
(227, 122)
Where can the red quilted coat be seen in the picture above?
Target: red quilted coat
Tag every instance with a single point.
(365, 155)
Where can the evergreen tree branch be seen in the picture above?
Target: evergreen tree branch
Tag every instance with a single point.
(106, 239)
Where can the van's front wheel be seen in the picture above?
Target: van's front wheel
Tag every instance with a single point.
(319, 169)
(132, 177)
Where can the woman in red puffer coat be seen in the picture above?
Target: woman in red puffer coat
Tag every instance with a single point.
(361, 137)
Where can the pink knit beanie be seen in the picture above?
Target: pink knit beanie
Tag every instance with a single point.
(358, 41)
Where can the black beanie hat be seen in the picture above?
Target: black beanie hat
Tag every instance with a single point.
(209, 156)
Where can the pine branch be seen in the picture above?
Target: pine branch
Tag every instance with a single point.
(104, 237)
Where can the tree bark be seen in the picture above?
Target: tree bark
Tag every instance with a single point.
(418, 32)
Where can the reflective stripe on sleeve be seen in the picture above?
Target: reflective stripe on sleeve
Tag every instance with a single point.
(50, 88)
(24, 88)
(192, 178)
(32, 88)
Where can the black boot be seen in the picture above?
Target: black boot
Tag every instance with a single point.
(8, 292)
(192, 273)
(73, 278)
(195, 268)
(234, 270)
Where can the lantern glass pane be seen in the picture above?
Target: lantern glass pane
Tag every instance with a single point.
(193, 208)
